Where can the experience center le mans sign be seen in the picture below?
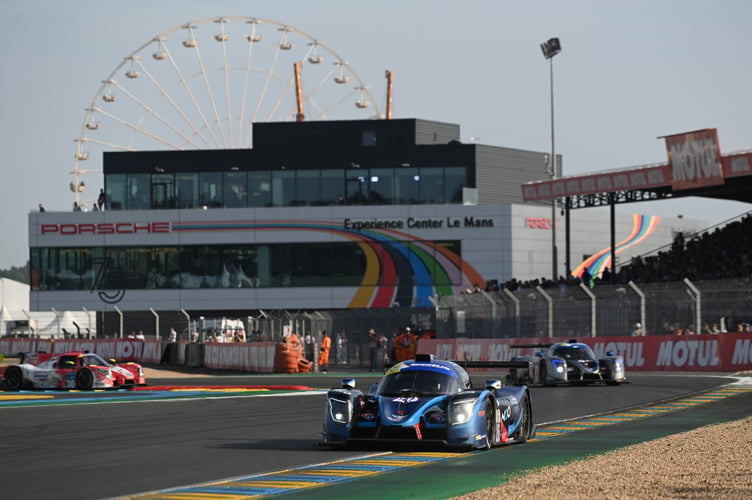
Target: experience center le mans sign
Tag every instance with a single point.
(146, 228)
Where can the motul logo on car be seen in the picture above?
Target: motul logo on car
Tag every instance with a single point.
(107, 228)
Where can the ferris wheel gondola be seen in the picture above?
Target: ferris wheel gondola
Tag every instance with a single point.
(179, 93)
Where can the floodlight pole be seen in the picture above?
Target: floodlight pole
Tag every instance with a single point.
(550, 49)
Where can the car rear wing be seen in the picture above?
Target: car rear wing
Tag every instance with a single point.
(33, 358)
(520, 370)
(534, 346)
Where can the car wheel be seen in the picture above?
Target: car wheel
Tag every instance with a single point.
(84, 379)
(13, 378)
(544, 373)
(490, 424)
(524, 430)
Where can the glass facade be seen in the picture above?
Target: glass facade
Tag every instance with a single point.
(221, 266)
(404, 185)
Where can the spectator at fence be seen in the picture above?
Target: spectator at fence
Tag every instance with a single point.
(373, 349)
(410, 343)
(326, 346)
(341, 348)
(384, 349)
(398, 343)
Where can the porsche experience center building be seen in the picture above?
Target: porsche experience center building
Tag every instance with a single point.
(316, 216)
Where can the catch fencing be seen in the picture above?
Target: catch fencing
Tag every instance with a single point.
(606, 309)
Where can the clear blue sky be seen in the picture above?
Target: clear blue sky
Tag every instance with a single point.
(628, 73)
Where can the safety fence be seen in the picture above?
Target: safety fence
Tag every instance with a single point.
(604, 310)
(728, 352)
(569, 311)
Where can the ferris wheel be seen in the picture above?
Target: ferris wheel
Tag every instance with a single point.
(203, 84)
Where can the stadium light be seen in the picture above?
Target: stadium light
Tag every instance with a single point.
(550, 48)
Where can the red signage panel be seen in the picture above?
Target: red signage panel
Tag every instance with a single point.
(737, 165)
(695, 159)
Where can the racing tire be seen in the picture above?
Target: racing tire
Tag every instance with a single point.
(13, 378)
(524, 431)
(84, 379)
(490, 424)
(544, 374)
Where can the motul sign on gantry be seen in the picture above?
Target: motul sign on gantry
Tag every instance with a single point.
(106, 228)
(695, 159)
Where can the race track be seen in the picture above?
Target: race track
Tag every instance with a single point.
(124, 445)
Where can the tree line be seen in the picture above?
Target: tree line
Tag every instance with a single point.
(20, 274)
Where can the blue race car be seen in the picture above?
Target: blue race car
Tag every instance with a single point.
(572, 362)
(427, 401)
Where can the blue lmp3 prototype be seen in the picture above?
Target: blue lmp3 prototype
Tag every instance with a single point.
(431, 402)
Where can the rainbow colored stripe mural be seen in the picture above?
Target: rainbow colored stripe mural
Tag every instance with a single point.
(406, 270)
(642, 227)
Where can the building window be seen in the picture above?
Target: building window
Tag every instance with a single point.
(332, 186)
(260, 189)
(279, 265)
(115, 187)
(210, 189)
(381, 187)
(162, 191)
(368, 138)
(283, 188)
(307, 188)
(138, 192)
(186, 190)
(236, 189)
(455, 178)
(403, 185)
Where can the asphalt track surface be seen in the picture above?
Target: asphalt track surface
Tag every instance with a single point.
(73, 447)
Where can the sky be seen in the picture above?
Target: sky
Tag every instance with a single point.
(628, 73)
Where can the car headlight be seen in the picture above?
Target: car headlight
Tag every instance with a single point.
(340, 410)
(559, 366)
(461, 411)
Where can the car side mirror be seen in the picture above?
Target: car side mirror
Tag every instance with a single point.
(539, 354)
(609, 353)
(493, 384)
(348, 383)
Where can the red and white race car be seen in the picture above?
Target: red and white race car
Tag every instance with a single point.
(71, 370)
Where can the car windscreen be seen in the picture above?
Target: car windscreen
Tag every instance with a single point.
(95, 360)
(574, 352)
(417, 383)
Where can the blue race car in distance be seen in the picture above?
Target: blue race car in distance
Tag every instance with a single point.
(573, 362)
(427, 401)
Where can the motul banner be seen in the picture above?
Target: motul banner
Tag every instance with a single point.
(737, 165)
(727, 352)
(141, 351)
(255, 357)
(695, 159)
